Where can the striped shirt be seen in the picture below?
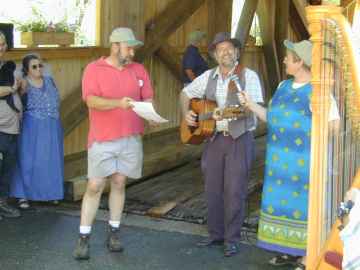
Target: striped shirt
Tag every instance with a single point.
(197, 89)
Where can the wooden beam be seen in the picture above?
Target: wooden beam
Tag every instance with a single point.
(245, 22)
(72, 110)
(165, 24)
(300, 5)
(168, 56)
(345, 3)
(58, 53)
(281, 30)
(297, 22)
(266, 13)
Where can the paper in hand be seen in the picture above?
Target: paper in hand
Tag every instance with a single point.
(147, 111)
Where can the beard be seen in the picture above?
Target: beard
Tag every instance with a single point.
(124, 60)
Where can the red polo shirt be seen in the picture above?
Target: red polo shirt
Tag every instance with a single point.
(103, 80)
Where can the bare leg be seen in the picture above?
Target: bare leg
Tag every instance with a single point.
(117, 196)
(91, 200)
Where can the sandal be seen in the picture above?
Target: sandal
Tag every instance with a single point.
(23, 204)
(283, 260)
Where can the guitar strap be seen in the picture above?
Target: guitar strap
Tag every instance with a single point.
(239, 71)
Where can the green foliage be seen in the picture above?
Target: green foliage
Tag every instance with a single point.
(38, 23)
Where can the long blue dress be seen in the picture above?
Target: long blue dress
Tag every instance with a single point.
(39, 173)
(284, 207)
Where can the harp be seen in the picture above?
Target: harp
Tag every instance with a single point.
(335, 148)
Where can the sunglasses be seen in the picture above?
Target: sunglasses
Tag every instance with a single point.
(37, 66)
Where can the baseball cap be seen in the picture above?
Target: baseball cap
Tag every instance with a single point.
(123, 34)
(303, 49)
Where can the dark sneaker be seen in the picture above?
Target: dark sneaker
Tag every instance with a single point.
(113, 241)
(7, 210)
(81, 251)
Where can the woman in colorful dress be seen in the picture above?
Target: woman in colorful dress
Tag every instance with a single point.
(284, 207)
(40, 164)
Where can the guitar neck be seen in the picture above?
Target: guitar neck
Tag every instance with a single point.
(226, 113)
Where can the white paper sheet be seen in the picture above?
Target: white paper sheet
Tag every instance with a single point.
(147, 111)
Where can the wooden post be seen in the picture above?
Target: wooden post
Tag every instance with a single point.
(219, 17)
(281, 31)
(98, 39)
(223, 13)
(266, 13)
(211, 20)
(245, 22)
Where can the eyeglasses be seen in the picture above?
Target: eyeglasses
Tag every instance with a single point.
(37, 66)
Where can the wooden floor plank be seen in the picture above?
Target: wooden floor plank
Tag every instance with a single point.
(179, 194)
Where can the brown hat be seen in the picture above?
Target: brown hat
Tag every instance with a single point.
(221, 37)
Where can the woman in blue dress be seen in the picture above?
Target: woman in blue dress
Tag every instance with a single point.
(40, 164)
(284, 206)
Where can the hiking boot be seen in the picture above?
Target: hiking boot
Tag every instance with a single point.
(113, 241)
(81, 251)
(7, 210)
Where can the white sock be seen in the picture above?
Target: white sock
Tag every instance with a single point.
(85, 229)
(114, 224)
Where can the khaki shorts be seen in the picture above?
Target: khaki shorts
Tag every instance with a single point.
(124, 156)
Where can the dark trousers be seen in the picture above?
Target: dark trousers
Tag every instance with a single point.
(8, 144)
(226, 166)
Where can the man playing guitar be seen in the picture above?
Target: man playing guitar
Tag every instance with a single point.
(228, 154)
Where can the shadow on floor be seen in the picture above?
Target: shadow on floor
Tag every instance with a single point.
(43, 240)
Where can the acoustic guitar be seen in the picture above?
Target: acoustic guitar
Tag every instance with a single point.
(206, 124)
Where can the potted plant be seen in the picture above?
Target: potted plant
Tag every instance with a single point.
(40, 32)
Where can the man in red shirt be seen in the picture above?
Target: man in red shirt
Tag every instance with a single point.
(114, 142)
